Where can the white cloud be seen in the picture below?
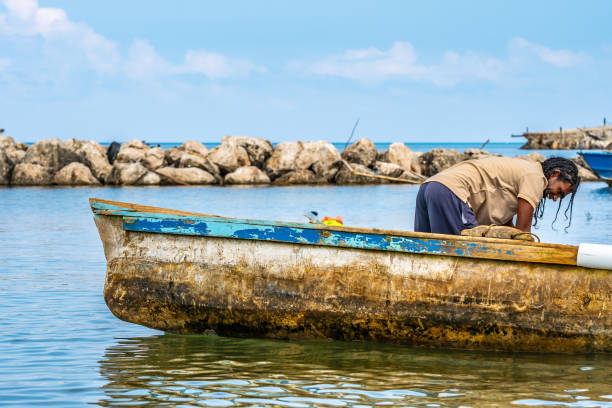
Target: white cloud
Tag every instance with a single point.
(217, 66)
(144, 62)
(559, 58)
(26, 18)
(401, 61)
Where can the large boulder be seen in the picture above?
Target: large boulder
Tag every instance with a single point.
(534, 157)
(388, 169)
(153, 158)
(126, 173)
(247, 175)
(172, 156)
(191, 159)
(190, 147)
(362, 152)
(436, 160)
(188, 175)
(258, 150)
(14, 151)
(475, 154)
(400, 154)
(51, 153)
(149, 179)
(321, 157)
(229, 156)
(93, 155)
(75, 174)
(132, 152)
(345, 176)
(31, 174)
(283, 159)
(6, 167)
(302, 176)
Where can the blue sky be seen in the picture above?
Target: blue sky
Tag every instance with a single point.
(411, 71)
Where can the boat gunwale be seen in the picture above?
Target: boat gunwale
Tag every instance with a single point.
(137, 210)
(424, 243)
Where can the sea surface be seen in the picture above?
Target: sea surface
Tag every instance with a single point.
(61, 347)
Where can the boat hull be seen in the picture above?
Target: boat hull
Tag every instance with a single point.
(600, 162)
(249, 288)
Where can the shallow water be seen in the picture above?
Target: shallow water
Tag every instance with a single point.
(60, 346)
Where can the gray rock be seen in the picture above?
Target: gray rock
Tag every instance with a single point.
(283, 159)
(321, 157)
(6, 167)
(400, 154)
(149, 179)
(93, 155)
(436, 160)
(192, 159)
(258, 150)
(229, 156)
(75, 174)
(247, 175)
(126, 173)
(153, 158)
(534, 157)
(362, 152)
(130, 155)
(51, 153)
(192, 146)
(31, 174)
(388, 169)
(302, 176)
(15, 155)
(475, 154)
(172, 156)
(188, 175)
(345, 176)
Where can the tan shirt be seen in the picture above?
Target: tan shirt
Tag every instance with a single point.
(492, 186)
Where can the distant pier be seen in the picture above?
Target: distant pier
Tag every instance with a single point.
(599, 137)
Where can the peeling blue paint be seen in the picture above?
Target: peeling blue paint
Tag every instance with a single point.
(299, 235)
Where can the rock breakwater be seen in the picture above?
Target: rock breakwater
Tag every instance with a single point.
(599, 137)
(237, 160)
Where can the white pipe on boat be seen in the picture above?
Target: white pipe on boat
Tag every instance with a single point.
(595, 256)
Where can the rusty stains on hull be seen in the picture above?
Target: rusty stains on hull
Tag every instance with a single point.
(183, 283)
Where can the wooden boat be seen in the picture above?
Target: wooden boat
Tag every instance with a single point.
(185, 272)
(601, 163)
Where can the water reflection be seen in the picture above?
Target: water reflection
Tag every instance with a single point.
(169, 370)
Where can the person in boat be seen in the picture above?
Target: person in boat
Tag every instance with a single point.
(491, 191)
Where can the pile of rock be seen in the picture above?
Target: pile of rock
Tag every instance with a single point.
(237, 160)
(599, 137)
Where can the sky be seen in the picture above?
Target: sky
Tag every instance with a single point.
(429, 71)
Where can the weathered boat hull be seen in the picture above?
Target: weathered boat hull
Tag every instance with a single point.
(254, 288)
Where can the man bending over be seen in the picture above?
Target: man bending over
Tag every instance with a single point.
(492, 191)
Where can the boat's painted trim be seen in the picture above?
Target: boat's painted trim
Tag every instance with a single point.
(150, 219)
(600, 162)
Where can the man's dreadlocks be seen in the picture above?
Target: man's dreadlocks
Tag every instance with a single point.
(569, 173)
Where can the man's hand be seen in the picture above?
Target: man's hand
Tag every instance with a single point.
(524, 215)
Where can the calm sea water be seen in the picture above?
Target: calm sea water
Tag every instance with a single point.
(60, 346)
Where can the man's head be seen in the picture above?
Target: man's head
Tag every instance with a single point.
(563, 179)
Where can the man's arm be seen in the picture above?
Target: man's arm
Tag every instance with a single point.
(524, 215)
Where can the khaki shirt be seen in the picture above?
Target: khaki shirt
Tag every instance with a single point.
(492, 186)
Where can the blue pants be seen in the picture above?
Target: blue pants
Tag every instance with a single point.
(440, 211)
